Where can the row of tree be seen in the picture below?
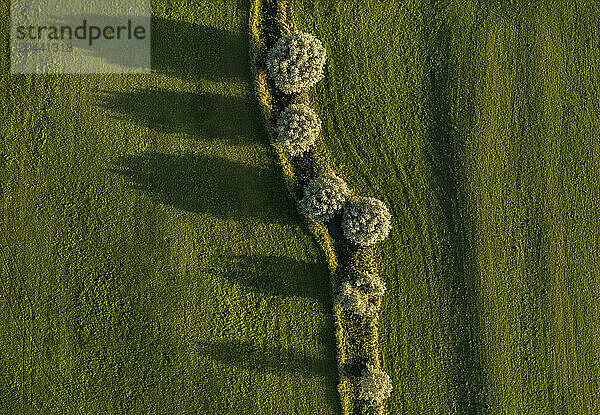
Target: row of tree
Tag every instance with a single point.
(294, 63)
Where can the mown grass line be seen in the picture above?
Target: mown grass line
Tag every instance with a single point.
(442, 149)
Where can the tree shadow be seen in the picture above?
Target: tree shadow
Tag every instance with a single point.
(247, 356)
(191, 50)
(279, 276)
(177, 48)
(198, 115)
(206, 184)
(250, 357)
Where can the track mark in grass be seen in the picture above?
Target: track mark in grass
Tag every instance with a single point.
(457, 294)
(528, 255)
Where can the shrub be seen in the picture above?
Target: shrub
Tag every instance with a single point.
(366, 221)
(296, 61)
(323, 197)
(369, 283)
(354, 301)
(297, 128)
(375, 384)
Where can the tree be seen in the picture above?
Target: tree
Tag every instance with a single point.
(369, 283)
(296, 62)
(323, 197)
(375, 384)
(366, 221)
(297, 128)
(354, 301)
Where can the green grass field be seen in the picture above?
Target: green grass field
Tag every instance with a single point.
(151, 260)
(477, 123)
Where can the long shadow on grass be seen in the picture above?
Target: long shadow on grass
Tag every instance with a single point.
(198, 115)
(458, 294)
(181, 49)
(279, 276)
(191, 50)
(206, 184)
(247, 356)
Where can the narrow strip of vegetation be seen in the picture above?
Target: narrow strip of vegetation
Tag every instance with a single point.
(285, 63)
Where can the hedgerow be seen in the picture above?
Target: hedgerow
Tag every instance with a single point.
(356, 293)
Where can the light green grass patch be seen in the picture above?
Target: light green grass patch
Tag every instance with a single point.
(152, 261)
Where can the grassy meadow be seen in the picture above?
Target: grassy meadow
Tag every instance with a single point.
(477, 123)
(151, 260)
